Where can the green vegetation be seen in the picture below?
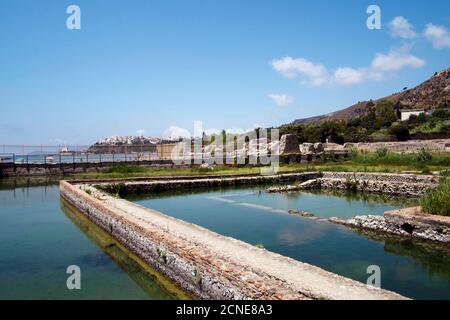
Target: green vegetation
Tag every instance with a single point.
(379, 122)
(416, 161)
(380, 161)
(437, 201)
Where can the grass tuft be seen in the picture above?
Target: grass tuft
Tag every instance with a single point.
(437, 201)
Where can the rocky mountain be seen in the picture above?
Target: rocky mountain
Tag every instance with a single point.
(430, 94)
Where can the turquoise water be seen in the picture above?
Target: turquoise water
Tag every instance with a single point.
(413, 268)
(39, 240)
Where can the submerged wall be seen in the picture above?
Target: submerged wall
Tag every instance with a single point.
(386, 183)
(206, 264)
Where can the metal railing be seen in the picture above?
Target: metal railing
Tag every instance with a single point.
(51, 154)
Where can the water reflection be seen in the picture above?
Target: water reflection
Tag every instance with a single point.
(148, 279)
(433, 257)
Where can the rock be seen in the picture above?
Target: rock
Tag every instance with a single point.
(289, 144)
(318, 147)
(349, 145)
(301, 213)
(307, 148)
(206, 166)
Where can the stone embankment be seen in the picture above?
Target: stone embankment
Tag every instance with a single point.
(387, 183)
(411, 146)
(204, 263)
(409, 222)
(175, 183)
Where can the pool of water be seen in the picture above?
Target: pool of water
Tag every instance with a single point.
(40, 237)
(413, 268)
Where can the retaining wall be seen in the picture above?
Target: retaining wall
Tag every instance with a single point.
(12, 170)
(206, 264)
(408, 222)
(176, 183)
(387, 183)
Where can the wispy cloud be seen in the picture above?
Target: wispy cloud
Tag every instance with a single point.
(438, 35)
(401, 28)
(313, 73)
(174, 132)
(281, 100)
(316, 74)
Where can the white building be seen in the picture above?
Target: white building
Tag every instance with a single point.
(406, 113)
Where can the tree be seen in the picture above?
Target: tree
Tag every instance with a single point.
(400, 131)
(385, 113)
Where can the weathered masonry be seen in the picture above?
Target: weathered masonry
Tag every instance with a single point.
(202, 262)
(387, 183)
(23, 169)
(407, 222)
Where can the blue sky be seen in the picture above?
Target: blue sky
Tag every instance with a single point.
(150, 65)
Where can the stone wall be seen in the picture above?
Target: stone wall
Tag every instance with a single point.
(411, 146)
(13, 170)
(206, 264)
(176, 183)
(409, 222)
(387, 183)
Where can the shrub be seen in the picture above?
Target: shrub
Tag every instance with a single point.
(437, 201)
(424, 156)
(400, 131)
(382, 152)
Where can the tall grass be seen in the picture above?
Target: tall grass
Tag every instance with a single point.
(418, 160)
(437, 201)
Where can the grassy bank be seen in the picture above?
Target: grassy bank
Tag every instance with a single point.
(418, 161)
(372, 162)
(438, 201)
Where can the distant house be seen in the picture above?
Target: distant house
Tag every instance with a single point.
(406, 113)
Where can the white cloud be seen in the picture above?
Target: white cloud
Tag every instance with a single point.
(395, 60)
(281, 100)
(140, 132)
(349, 76)
(383, 64)
(314, 74)
(174, 132)
(438, 35)
(401, 28)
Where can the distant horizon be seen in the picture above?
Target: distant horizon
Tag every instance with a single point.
(153, 68)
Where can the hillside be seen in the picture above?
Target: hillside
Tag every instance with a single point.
(430, 94)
